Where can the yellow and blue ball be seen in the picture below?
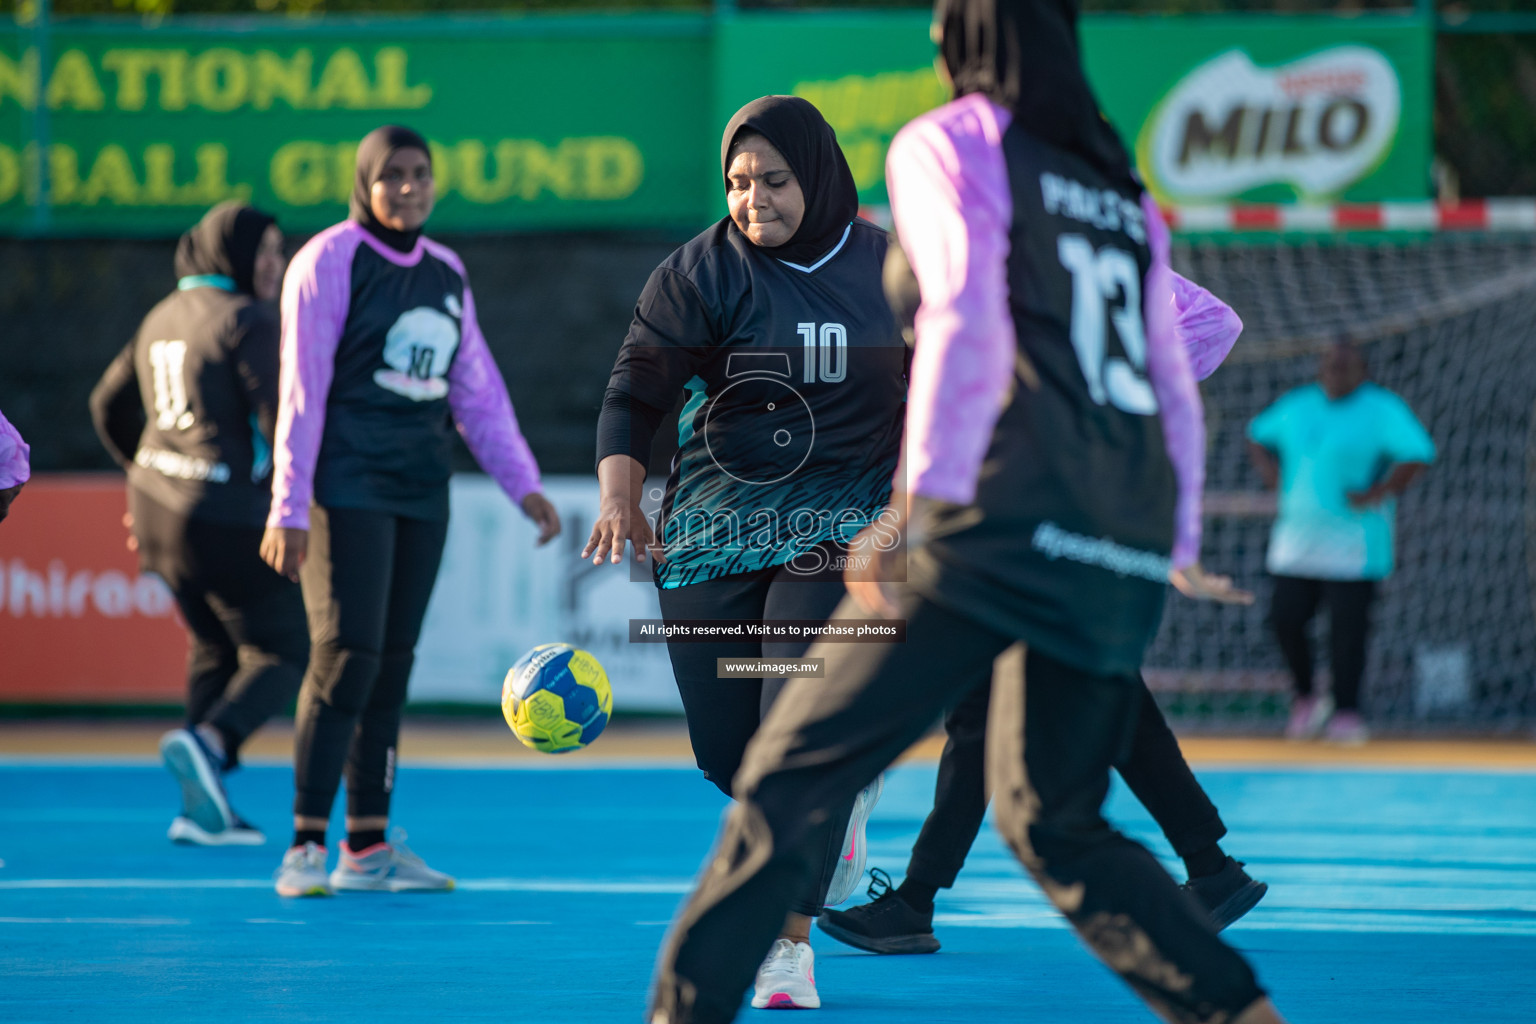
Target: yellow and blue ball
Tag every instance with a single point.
(557, 698)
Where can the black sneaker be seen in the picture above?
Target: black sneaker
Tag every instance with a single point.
(1228, 894)
(888, 925)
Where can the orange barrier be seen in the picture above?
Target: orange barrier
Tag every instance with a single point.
(78, 624)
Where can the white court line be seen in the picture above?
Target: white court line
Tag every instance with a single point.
(672, 886)
(555, 763)
(1348, 768)
(75, 761)
(550, 763)
(134, 883)
(155, 921)
(669, 886)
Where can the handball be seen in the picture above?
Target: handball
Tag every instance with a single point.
(557, 698)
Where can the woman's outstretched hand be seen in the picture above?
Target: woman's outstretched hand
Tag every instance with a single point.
(621, 481)
(1193, 581)
(542, 512)
(619, 520)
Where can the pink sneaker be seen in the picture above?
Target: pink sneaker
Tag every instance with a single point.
(1308, 716)
(1346, 728)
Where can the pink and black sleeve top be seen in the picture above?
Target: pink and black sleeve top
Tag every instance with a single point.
(14, 465)
(1057, 508)
(381, 358)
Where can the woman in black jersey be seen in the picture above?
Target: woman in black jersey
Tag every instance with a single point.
(188, 409)
(1054, 457)
(773, 327)
(382, 358)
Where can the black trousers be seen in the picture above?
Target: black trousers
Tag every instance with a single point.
(723, 714)
(1154, 768)
(245, 623)
(1054, 735)
(367, 579)
(1295, 602)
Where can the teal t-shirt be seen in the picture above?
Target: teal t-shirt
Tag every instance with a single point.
(1328, 449)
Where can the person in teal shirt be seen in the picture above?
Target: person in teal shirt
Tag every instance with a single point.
(1340, 451)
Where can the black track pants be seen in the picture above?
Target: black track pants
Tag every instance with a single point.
(367, 579)
(1054, 735)
(245, 622)
(1295, 602)
(723, 714)
(1154, 769)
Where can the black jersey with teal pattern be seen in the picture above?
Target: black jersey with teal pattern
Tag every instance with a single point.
(795, 377)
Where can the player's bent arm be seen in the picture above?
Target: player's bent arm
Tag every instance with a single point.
(1401, 477)
(117, 412)
(1266, 463)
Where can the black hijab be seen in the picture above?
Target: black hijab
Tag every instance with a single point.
(797, 130)
(372, 154)
(1023, 55)
(224, 242)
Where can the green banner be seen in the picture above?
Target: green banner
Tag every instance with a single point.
(574, 125)
(1217, 109)
(868, 74)
(612, 122)
(1273, 109)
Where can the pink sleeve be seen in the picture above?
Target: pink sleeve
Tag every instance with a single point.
(1207, 327)
(317, 292)
(1178, 398)
(14, 452)
(477, 395)
(951, 206)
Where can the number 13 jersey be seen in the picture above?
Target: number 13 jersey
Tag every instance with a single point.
(1066, 540)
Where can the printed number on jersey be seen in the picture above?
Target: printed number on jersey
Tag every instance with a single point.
(826, 350)
(168, 361)
(1106, 286)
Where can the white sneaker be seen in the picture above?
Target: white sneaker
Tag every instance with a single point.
(850, 869)
(387, 867)
(202, 792)
(303, 872)
(1309, 716)
(787, 979)
(188, 832)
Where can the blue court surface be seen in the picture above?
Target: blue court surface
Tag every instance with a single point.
(1395, 896)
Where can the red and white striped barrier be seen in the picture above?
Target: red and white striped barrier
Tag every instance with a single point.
(1315, 218)
(1331, 218)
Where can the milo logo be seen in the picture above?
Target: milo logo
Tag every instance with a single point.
(1318, 124)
